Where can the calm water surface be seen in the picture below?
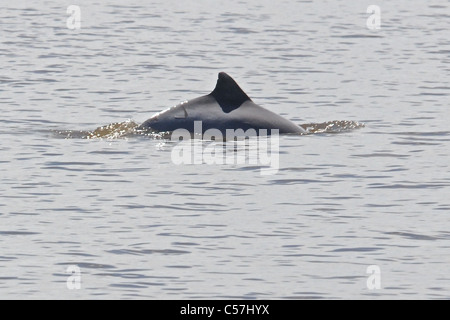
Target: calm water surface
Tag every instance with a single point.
(139, 226)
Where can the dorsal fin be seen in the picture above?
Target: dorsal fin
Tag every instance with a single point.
(228, 93)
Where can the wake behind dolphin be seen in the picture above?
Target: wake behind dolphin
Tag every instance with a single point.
(226, 108)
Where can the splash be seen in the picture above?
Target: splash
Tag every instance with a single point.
(115, 130)
(335, 126)
(129, 128)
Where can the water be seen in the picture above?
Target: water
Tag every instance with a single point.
(138, 226)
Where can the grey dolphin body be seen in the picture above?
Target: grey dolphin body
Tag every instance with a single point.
(226, 107)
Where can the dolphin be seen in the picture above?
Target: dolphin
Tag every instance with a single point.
(227, 107)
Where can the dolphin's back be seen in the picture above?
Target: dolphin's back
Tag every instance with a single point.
(226, 107)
